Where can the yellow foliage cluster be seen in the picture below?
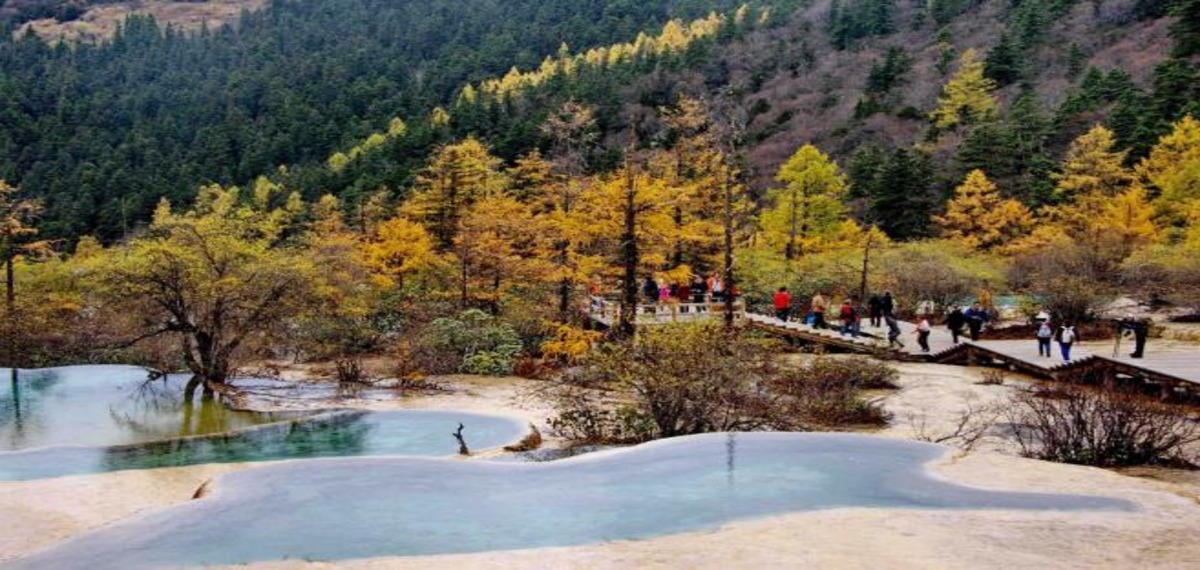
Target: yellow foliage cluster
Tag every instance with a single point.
(980, 217)
(339, 161)
(967, 97)
(674, 37)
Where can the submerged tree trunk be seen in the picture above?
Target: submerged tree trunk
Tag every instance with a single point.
(10, 313)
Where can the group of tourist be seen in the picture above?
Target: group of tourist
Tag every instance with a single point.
(969, 322)
(698, 290)
(1065, 334)
(973, 319)
(880, 310)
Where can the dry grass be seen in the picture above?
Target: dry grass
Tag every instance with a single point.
(101, 22)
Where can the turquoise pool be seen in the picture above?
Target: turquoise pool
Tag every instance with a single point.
(95, 419)
(343, 509)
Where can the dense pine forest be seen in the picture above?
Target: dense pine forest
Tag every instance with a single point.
(100, 132)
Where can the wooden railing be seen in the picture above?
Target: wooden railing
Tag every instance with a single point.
(608, 312)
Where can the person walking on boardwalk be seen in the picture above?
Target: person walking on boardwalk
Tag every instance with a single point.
(716, 288)
(887, 305)
(875, 310)
(976, 316)
(1045, 332)
(1140, 329)
(650, 289)
(955, 321)
(783, 304)
(1066, 338)
(847, 315)
(699, 289)
(893, 327)
(819, 306)
(923, 330)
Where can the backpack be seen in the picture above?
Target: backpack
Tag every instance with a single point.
(1045, 331)
(1068, 336)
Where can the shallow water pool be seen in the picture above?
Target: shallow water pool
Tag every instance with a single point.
(107, 405)
(341, 509)
(95, 419)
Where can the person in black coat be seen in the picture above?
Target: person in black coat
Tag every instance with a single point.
(875, 310)
(650, 289)
(1140, 329)
(955, 321)
(886, 304)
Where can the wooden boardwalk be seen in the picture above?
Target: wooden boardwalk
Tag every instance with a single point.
(1175, 373)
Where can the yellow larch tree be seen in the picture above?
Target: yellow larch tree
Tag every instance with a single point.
(808, 207)
(1172, 171)
(457, 176)
(1092, 175)
(396, 249)
(967, 96)
(498, 246)
(1130, 216)
(980, 217)
(1091, 166)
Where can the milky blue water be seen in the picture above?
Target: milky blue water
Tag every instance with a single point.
(342, 509)
(95, 419)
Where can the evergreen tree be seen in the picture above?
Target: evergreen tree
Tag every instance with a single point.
(902, 195)
(1003, 62)
(1186, 29)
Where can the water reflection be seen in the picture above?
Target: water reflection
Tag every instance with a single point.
(108, 405)
(20, 403)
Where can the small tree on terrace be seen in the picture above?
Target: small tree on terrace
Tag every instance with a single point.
(214, 277)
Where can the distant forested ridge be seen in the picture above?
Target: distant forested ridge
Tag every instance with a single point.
(351, 97)
(101, 132)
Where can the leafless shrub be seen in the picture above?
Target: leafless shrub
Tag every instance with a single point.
(1102, 428)
(672, 380)
(827, 391)
(970, 427)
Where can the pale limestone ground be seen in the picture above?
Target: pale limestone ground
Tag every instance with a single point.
(1161, 535)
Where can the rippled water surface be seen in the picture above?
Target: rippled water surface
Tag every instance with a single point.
(342, 509)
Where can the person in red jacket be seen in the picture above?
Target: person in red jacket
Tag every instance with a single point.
(783, 304)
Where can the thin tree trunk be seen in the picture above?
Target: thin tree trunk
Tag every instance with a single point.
(862, 286)
(729, 281)
(789, 253)
(10, 313)
(627, 325)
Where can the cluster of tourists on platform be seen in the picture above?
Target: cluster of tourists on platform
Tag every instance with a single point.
(961, 322)
(698, 290)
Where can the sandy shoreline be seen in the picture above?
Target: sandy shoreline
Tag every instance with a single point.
(1162, 534)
